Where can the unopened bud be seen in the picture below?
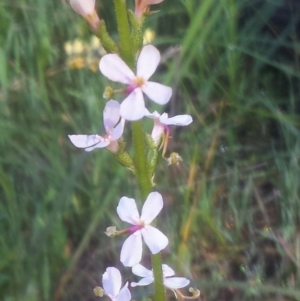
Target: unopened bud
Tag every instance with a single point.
(111, 231)
(98, 291)
(194, 292)
(108, 92)
(180, 296)
(174, 159)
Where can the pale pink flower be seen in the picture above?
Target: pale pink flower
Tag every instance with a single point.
(86, 8)
(112, 282)
(148, 277)
(141, 6)
(161, 123)
(114, 129)
(131, 252)
(133, 106)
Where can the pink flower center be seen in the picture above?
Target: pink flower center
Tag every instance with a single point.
(135, 228)
(107, 137)
(136, 83)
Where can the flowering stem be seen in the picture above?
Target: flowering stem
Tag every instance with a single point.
(159, 289)
(145, 185)
(141, 166)
(144, 182)
(124, 32)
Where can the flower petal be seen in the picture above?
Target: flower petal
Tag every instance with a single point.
(117, 132)
(142, 282)
(141, 271)
(111, 280)
(111, 114)
(150, 2)
(98, 145)
(133, 107)
(159, 93)
(152, 207)
(154, 239)
(124, 294)
(157, 131)
(83, 7)
(147, 62)
(132, 249)
(127, 211)
(176, 282)
(151, 115)
(180, 120)
(83, 141)
(114, 68)
(167, 271)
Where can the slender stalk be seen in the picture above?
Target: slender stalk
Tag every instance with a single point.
(141, 166)
(144, 182)
(159, 289)
(124, 32)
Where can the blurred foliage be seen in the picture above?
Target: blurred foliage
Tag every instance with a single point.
(231, 208)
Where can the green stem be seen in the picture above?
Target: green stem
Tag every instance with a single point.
(141, 164)
(124, 32)
(159, 289)
(144, 181)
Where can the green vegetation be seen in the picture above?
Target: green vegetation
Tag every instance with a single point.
(235, 216)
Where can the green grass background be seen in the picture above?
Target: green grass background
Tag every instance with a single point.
(232, 208)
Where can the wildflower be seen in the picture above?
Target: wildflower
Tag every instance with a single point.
(142, 6)
(131, 252)
(86, 8)
(114, 130)
(162, 121)
(148, 277)
(133, 106)
(161, 132)
(112, 282)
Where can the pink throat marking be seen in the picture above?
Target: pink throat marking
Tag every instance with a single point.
(136, 228)
(137, 82)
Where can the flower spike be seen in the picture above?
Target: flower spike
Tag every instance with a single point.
(115, 69)
(131, 252)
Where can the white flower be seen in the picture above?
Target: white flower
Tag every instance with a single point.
(114, 130)
(162, 121)
(131, 252)
(112, 282)
(114, 68)
(169, 281)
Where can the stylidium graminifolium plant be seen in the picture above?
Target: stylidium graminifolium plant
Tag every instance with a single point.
(131, 64)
